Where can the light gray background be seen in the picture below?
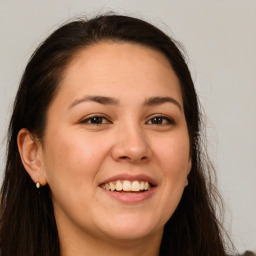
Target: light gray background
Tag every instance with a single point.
(220, 39)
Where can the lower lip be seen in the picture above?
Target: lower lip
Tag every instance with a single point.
(130, 198)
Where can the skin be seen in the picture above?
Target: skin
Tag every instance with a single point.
(77, 155)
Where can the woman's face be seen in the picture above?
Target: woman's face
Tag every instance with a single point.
(116, 147)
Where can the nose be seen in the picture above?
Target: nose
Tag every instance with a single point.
(132, 145)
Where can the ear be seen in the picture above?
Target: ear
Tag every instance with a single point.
(189, 165)
(31, 154)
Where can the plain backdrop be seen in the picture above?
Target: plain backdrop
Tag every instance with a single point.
(220, 39)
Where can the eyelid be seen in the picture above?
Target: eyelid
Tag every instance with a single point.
(170, 120)
(85, 119)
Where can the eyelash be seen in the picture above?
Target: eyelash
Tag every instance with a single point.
(95, 118)
(168, 120)
(98, 120)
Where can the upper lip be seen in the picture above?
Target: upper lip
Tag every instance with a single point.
(130, 177)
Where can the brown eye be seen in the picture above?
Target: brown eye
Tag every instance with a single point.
(95, 120)
(160, 120)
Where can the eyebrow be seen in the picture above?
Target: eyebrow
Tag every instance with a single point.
(98, 99)
(161, 100)
(152, 101)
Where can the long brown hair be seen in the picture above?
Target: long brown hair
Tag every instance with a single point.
(27, 224)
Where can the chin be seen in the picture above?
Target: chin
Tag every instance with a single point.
(132, 229)
(135, 234)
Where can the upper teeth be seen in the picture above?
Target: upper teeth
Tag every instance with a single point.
(126, 185)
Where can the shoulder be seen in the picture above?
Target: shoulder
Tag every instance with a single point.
(247, 253)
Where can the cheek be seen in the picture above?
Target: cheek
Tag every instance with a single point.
(174, 160)
(72, 164)
(173, 155)
(72, 160)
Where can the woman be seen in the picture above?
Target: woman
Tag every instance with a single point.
(104, 150)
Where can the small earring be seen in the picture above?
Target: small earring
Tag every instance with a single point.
(186, 182)
(38, 184)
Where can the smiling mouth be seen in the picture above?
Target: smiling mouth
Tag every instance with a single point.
(127, 186)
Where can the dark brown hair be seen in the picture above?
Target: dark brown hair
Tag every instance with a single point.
(27, 224)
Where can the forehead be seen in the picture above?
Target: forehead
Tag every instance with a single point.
(118, 67)
(121, 54)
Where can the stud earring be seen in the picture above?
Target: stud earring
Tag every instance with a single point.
(38, 184)
(186, 182)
